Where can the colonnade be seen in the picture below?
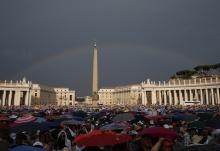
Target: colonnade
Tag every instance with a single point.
(182, 92)
(181, 96)
(15, 97)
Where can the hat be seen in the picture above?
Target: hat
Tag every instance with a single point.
(13, 136)
(133, 132)
(166, 126)
(196, 139)
(39, 144)
(151, 122)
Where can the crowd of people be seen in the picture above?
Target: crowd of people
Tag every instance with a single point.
(110, 128)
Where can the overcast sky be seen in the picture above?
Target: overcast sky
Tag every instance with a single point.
(51, 42)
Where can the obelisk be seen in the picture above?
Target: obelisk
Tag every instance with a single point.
(95, 76)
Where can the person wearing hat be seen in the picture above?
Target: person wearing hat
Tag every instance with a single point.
(196, 139)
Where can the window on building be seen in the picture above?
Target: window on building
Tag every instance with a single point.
(71, 97)
(35, 94)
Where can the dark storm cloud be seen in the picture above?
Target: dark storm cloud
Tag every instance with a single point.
(51, 41)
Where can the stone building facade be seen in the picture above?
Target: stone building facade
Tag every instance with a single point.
(173, 92)
(42, 95)
(129, 94)
(64, 96)
(24, 92)
(182, 92)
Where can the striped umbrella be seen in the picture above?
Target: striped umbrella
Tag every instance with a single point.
(4, 118)
(25, 119)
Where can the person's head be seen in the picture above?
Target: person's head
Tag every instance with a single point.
(146, 142)
(167, 143)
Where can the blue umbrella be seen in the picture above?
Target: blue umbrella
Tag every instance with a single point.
(26, 148)
(29, 127)
(40, 120)
(78, 118)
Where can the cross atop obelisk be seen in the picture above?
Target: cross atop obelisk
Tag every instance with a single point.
(95, 75)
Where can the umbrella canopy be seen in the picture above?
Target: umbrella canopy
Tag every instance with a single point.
(72, 122)
(80, 114)
(25, 119)
(214, 123)
(154, 118)
(40, 120)
(203, 116)
(29, 127)
(4, 118)
(196, 125)
(26, 148)
(115, 126)
(101, 138)
(184, 117)
(123, 117)
(211, 147)
(65, 116)
(159, 132)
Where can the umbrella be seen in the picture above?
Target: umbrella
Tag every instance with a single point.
(115, 126)
(101, 138)
(123, 117)
(40, 120)
(4, 118)
(78, 118)
(65, 116)
(214, 123)
(154, 118)
(210, 147)
(80, 114)
(72, 122)
(196, 124)
(25, 119)
(26, 148)
(184, 117)
(159, 132)
(29, 127)
(204, 115)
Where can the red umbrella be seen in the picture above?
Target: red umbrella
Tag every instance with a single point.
(4, 118)
(25, 119)
(101, 138)
(159, 132)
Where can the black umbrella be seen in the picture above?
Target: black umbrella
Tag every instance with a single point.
(29, 127)
(211, 147)
(203, 116)
(73, 122)
(196, 125)
(214, 123)
(123, 117)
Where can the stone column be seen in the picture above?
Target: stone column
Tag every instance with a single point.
(159, 93)
(218, 99)
(143, 97)
(181, 97)
(196, 95)
(170, 97)
(9, 98)
(190, 95)
(153, 97)
(185, 95)
(175, 97)
(201, 97)
(212, 96)
(26, 98)
(17, 97)
(4, 97)
(207, 97)
(165, 97)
